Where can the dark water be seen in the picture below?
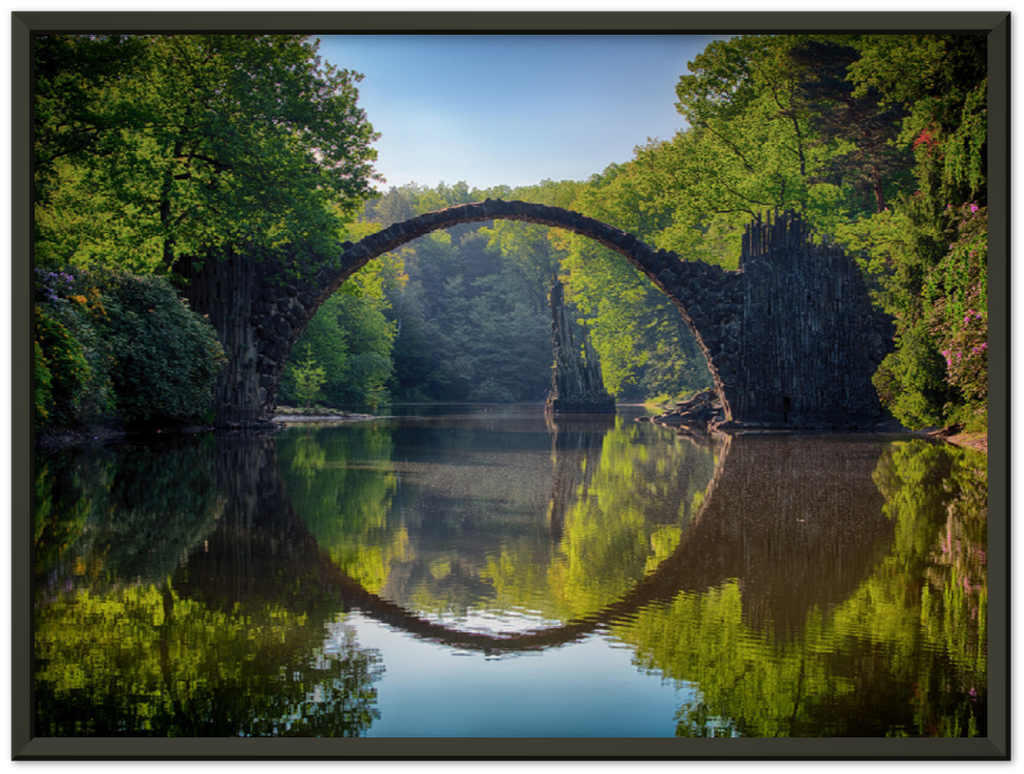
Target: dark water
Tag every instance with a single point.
(489, 572)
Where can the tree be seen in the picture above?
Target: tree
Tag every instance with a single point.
(207, 153)
(196, 144)
(929, 253)
(645, 348)
(853, 123)
(309, 378)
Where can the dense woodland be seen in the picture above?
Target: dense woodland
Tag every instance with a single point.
(154, 153)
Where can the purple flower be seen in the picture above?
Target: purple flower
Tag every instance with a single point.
(974, 208)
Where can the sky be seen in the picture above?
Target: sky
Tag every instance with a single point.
(513, 109)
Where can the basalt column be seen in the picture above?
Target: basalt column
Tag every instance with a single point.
(810, 339)
(576, 384)
(222, 290)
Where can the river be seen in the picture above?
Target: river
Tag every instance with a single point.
(488, 571)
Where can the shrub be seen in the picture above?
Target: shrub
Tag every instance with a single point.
(911, 382)
(166, 357)
(61, 372)
(309, 378)
(960, 317)
(111, 342)
(42, 393)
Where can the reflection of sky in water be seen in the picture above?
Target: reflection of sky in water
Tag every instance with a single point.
(428, 690)
(495, 621)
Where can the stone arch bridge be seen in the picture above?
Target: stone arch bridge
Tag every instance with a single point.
(791, 338)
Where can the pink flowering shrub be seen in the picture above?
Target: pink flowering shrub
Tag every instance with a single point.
(967, 356)
(960, 316)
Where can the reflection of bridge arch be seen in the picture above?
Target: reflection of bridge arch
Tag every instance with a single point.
(774, 519)
(791, 337)
(660, 585)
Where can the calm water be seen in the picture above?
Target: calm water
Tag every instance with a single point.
(488, 572)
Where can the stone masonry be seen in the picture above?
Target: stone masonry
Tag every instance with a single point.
(791, 337)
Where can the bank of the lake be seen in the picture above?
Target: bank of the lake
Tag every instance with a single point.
(287, 414)
(702, 412)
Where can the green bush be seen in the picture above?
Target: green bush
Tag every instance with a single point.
(911, 381)
(114, 344)
(42, 392)
(61, 372)
(166, 357)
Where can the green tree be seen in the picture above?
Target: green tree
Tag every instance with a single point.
(854, 124)
(206, 154)
(190, 145)
(309, 378)
(929, 253)
(645, 348)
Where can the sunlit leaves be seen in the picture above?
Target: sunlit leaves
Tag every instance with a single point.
(196, 143)
(143, 661)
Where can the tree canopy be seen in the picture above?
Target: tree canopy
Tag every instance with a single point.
(153, 147)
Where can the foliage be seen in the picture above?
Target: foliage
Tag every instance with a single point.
(61, 372)
(933, 274)
(471, 323)
(910, 381)
(941, 80)
(153, 147)
(42, 387)
(644, 345)
(309, 378)
(166, 357)
(352, 341)
(122, 345)
(960, 288)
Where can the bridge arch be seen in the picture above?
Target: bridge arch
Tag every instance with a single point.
(703, 293)
(791, 337)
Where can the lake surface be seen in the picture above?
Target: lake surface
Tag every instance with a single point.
(488, 571)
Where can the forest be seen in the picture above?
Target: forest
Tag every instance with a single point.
(155, 153)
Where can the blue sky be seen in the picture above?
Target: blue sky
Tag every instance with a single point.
(513, 109)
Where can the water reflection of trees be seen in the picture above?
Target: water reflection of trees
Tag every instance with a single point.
(492, 527)
(174, 600)
(143, 661)
(826, 589)
(891, 657)
(131, 511)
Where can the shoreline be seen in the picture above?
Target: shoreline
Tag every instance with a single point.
(52, 441)
(297, 419)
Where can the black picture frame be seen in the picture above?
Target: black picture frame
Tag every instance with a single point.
(996, 25)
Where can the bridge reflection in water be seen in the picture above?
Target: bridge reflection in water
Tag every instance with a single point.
(480, 534)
